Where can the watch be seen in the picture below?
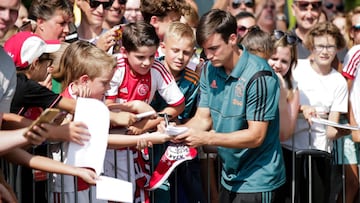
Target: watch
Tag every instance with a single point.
(281, 17)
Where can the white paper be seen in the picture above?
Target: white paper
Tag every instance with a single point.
(96, 116)
(174, 130)
(108, 188)
(331, 123)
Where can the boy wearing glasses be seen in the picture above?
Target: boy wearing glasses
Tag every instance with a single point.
(238, 113)
(32, 63)
(322, 94)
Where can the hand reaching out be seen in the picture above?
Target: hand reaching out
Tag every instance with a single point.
(76, 132)
(87, 175)
(107, 39)
(82, 91)
(36, 135)
(308, 112)
(123, 118)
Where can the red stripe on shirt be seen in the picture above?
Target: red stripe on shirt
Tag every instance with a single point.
(163, 71)
(350, 68)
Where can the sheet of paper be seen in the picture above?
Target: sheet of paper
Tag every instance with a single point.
(96, 116)
(108, 188)
(331, 123)
(175, 130)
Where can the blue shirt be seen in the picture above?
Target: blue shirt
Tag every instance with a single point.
(189, 86)
(233, 100)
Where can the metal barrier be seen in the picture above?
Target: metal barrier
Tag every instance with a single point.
(12, 176)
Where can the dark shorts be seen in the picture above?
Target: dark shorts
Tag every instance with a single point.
(258, 197)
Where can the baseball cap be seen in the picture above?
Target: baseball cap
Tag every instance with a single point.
(24, 47)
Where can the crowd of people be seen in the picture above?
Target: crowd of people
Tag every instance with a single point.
(258, 97)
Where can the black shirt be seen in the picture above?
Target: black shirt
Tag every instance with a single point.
(30, 93)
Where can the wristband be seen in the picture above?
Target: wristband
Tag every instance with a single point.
(281, 17)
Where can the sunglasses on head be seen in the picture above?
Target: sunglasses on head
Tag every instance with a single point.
(339, 7)
(303, 5)
(106, 4)
(291, 39)
(248, 3)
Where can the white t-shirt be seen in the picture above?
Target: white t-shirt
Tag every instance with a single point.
(325, 92)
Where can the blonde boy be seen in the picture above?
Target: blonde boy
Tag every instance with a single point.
(89, 71)
(178, 47)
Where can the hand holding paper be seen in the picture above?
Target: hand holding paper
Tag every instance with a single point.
(336, 125)
(96, 116)
(175, 130)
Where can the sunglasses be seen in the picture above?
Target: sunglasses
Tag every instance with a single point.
(242, 29)
(248, 3)
(106, 4)
(303, 5)
(339, 7)
(122, 1)
(356, 27)
(291, 39)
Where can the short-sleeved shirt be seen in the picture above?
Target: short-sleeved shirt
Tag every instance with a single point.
(30, 94)
(302, 51)
(189, 86)
(7, 81)
(351, 62)
(324, 92)
(235, 99)
(351, 71)
(126, 86)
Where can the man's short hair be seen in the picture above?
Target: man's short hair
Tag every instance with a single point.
(216, 21)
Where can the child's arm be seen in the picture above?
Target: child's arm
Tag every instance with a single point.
(15, 138)
(67, 105)
(75, 131)
(13, 121)
(124, 118)
(22, 157)
(6, 192)
(116, 141)
(148, 124)
(107, 39)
